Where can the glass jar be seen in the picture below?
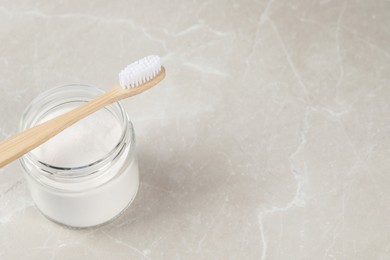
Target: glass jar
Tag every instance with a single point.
(91, 184)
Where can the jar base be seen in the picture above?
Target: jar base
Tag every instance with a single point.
(93, 226)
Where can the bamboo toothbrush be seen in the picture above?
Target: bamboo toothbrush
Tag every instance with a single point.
(133, 80)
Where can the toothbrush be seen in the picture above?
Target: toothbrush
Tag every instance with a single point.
(133, 80)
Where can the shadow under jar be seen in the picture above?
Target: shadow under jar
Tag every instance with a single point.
(88, 174)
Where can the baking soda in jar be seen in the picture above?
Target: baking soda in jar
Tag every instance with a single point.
(88, 174)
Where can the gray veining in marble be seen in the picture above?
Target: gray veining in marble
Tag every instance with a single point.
(269, 138)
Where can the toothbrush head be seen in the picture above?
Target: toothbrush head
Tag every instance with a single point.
(140, 72)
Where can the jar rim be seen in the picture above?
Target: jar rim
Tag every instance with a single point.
(91, 169)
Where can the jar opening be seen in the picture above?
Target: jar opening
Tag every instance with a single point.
(85, 147)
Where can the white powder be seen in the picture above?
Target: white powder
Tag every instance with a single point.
(82, 204)
(85, 142)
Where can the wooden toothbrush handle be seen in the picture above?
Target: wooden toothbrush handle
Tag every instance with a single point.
(21, 143)
(17, 145)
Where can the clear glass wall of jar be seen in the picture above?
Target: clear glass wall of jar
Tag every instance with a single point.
(91, 193)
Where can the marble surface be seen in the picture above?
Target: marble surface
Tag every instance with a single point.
(269, 138)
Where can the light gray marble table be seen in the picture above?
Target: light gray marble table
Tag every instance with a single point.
(269, 138)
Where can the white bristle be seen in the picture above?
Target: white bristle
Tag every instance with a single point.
(140, 72)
